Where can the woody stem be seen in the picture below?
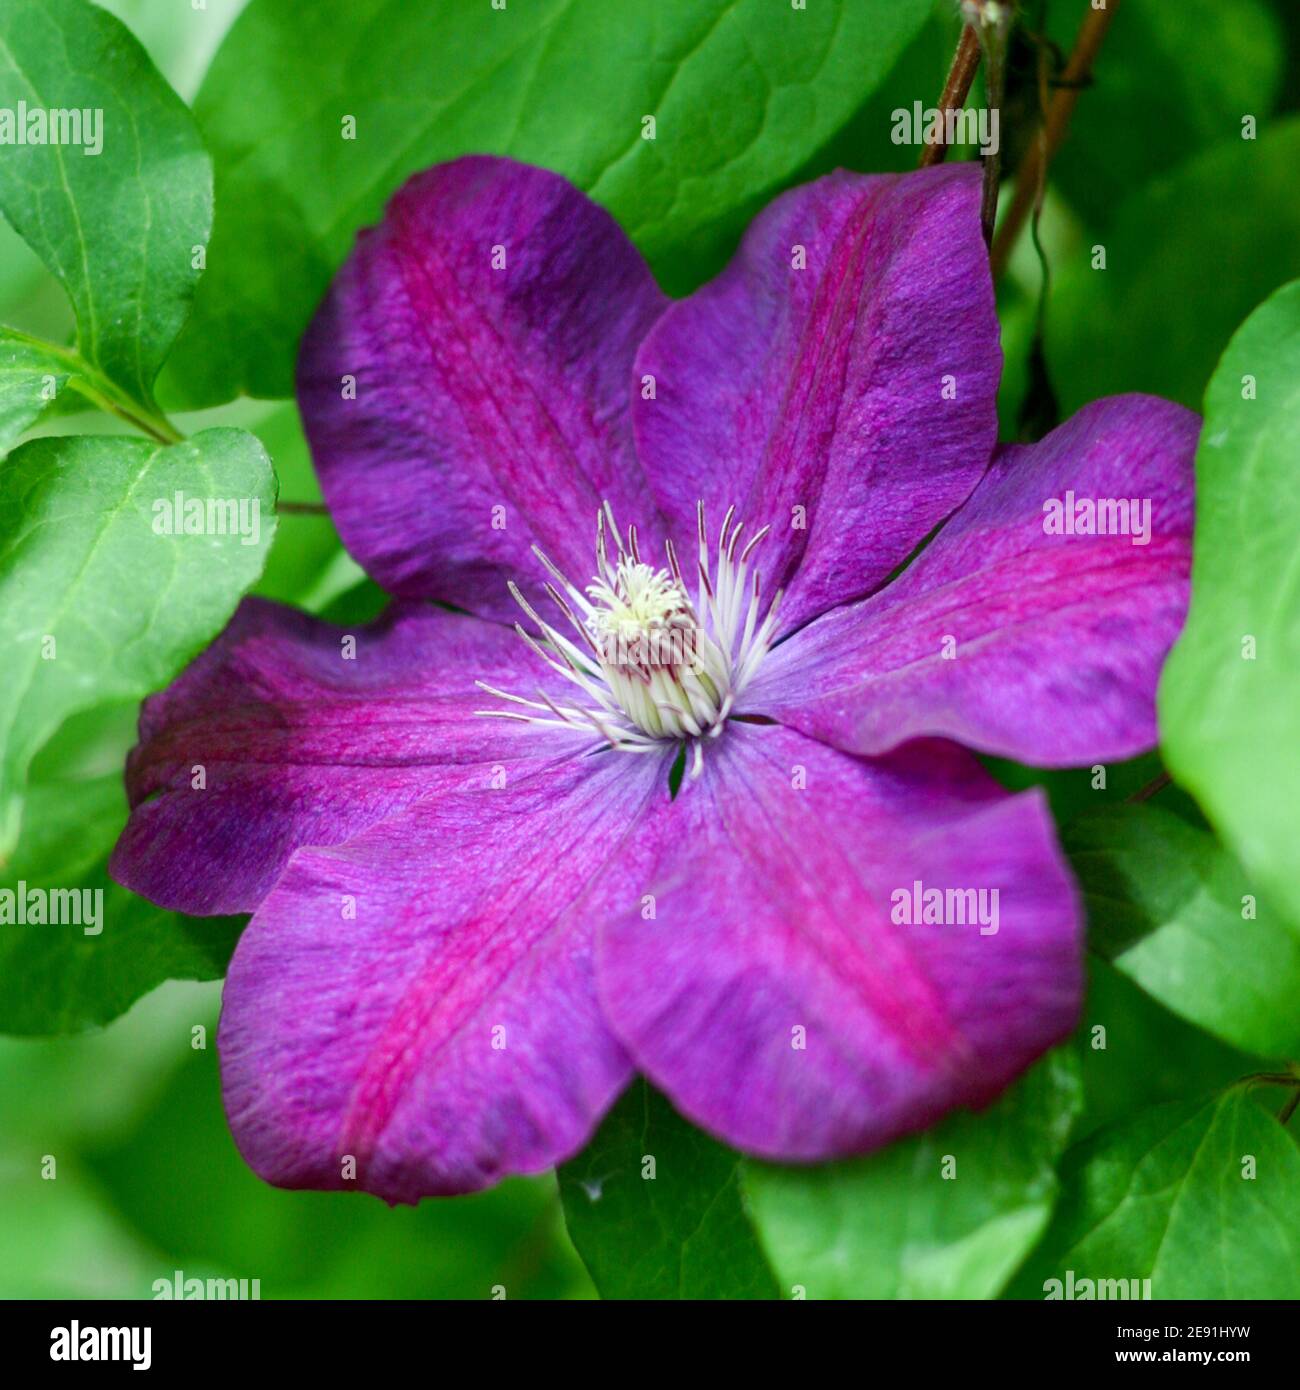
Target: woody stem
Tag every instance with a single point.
(956, 89)
(1033, 168)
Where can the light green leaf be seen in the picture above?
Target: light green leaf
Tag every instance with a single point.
(98, 605)
(1228, 701)
(655, 1209)
(31, 377)
(1199, 1197)
(1187, 258)
(894, 1226)
(119, 215)
(1176, 913)
(742, 92)
(66, 976)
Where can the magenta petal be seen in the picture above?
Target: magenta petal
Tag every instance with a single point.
(860, 389)
(491, 404)
(422, 998)
(275, 738)
(1055, 641)
(775, 997)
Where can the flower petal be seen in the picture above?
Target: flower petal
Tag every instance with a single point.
(448, 1034)
(491, 405)
(1041, 647)
(824, 388)
(775, 996)
(276, 738)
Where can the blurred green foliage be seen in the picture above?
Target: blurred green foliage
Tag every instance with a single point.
(148, 1182)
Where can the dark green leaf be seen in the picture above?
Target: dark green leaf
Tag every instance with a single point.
(1184, 75)
(1136, 1054)
(1187, 258)
(655, 1209)
(62, 977)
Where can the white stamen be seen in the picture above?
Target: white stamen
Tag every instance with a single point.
(654, 666)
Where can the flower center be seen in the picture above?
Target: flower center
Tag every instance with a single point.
(650, 662)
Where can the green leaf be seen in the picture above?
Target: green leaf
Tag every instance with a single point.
(30, 378)
(1167, 1197)
(893, 1226)
(682, 1231)
(95, 604)
(1229, 712)
(62, 977)
(1075, 791)
(742, 91)
(1176, 914)
(307, 565)
(181, 52)
(1136, 1054)
(1184, 75)
(118, 227)
(863, 142)
(1172, 293)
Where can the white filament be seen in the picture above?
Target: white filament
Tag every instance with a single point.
(650, 664)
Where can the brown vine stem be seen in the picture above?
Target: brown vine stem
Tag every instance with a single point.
(1157, 784)
(995, 19)
(301, 508)
(956, 89)
(1033, 168)
(1273, 1078)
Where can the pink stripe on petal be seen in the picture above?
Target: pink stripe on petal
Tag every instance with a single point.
(774, 996)
(276, 738)
(849, 404)
(489, 325)
(1010, 639)
(420, 1000)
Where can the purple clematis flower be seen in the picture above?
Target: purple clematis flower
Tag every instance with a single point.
(477, 908)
